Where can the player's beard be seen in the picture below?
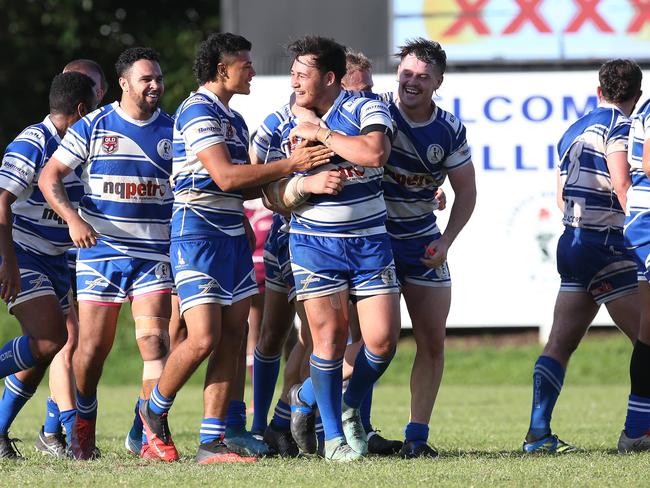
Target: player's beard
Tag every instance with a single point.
(146, 106)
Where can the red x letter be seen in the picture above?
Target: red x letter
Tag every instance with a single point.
(470, 13)
(527, 13)
(588, 12)
(642, 15)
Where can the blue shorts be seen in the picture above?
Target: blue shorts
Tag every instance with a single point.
(71, 256)
(42, 275)
(408, 253)
(595, 262)
(216, 270)
(277, 264)
(109, 278)
(637, 240)
(326, 265)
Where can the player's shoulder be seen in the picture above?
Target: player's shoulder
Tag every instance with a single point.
(449, 120)
(354, 101)
(36, 134)
(196, 104)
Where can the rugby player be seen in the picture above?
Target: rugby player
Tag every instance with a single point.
(121, 230)
(339, 245)
(211, 257)
(636, 434)
(60, 406)
(34, 275)
(592, 261)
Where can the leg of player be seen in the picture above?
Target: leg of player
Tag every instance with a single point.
(177, 333)
(151, 315)
(574, 312)
(44, 334)
(61, 405)
(636, 435)
(237, 438)
(97, 325)
(327, 317)
(380, 325)
(203, 333)
(219, 382)
(428, 308)
(254, 327)
(277, 319)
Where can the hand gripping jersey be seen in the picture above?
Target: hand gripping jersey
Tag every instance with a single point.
(637, 223)
(126, 166)
(201, 208)
(588, 194)
(359, 208)
(36, 227)
(422, 155)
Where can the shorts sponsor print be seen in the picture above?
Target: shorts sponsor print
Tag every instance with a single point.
(595, 262)
(409, 267)
(325, 265)
(42, 275)
(216, 270)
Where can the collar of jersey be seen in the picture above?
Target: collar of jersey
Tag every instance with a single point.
(609, 105)
(215, 99)
(336, 103)
(416, 124)
(47, 122)
(141, 123)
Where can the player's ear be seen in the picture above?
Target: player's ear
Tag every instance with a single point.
(124, 85)
(222, 70)
(330, 78)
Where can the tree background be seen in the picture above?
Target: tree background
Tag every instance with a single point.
(39, 37)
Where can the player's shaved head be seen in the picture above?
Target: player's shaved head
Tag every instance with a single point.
(427, 51)
(88, 67)
(620, 80)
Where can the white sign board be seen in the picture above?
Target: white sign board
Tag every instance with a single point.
(503, 263)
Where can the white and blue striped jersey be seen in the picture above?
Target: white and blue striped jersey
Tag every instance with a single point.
(422, 155)
(359, 208)
(126, 165)
(589, 198)
(36, 227)
(268, 147)
(638, 195)
(201, 208)
(262, 140)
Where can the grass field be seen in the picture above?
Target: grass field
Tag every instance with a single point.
(478, 426)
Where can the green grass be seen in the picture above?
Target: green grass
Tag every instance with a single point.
(478, 425)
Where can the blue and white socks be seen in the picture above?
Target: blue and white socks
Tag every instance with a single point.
(548, 377)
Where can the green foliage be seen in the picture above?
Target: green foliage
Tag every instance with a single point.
(38, 37)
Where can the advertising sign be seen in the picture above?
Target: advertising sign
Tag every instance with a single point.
(511, 30)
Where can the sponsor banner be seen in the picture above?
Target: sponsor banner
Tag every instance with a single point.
(503, 264)
(512, 30)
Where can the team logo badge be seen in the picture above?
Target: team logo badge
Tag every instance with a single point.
(179, 258)
(388, 276)
(110, 144)
(165, 149)
(230, 132)
(162, 271)
(435, 153)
